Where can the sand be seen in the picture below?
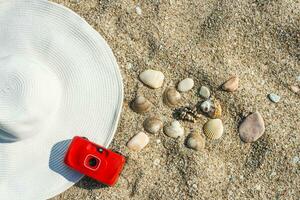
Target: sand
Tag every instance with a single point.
(207, 40)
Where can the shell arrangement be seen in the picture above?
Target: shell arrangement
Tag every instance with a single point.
(209, 106)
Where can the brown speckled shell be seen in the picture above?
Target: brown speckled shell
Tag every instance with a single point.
(171, 97)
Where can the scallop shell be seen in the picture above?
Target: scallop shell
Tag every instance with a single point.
(141, 105)
(174, 129)
(153, 125)
(195, 141)
(213, 129)
(171, 97)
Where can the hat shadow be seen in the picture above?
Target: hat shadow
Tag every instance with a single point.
(6, 137)
(56, 163)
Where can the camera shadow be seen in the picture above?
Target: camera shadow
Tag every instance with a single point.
(89, 184)
(56, 162)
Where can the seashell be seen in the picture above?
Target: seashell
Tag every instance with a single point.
(252, 128)
(138, 10)
(206, 106)
(195, 141)
(185, 85)
(232, 84)
(152, 78)
(204, 92)
(212, 108)
(216, 111)
(152, 125)
(141, 105)
(274, 97)
(138, 142)
(171, 97)
(174, 129)
(189, 114)
(213, 129)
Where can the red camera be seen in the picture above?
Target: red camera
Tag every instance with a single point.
(94, 161)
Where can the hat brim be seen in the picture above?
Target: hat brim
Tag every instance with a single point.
(92, 94)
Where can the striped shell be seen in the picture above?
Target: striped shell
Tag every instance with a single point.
(171, 97)
(213, 129)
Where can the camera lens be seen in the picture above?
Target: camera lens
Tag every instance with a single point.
(93, 162)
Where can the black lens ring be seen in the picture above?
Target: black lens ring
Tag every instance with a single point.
(93, 162)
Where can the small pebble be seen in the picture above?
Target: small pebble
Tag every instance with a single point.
(185, 85)
(204, 92)
(138, 10)
(152, 78)
(156, 162)
(298, 78)
(295, 89)
(231, 85)
(252, 128)
(138, 142)
(274, 97)
(296, 160)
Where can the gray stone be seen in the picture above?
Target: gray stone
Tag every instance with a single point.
(274, 97)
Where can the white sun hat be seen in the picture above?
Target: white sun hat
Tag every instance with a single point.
(58, 79)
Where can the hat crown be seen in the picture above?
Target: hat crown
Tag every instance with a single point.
(29, 94)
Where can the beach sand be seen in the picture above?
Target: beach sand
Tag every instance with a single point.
(207, 40)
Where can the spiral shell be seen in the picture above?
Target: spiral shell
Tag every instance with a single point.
(213, 129)
(171, 97)
(152, 125)
(140, 104)
(196, 141)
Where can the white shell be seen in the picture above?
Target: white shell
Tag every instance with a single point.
(206, 106)
(195, 141)
(138, 10)
(141, 105)
(171, 97)
(153, 125)
(185, 85)
(213, 129)
(138, 142)
(152, 78)
(174, 129)
(204, 92)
